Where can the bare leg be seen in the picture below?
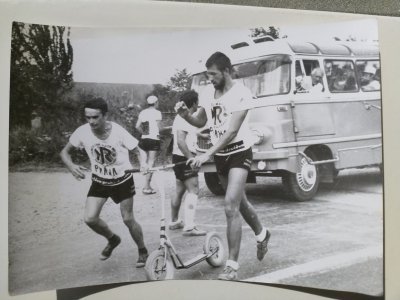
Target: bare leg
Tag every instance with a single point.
(192, 185)
(135, 229)
(234, 193)
(151, 157)
(246, 209)
(249, 214)
(177, 200)
(92, 212)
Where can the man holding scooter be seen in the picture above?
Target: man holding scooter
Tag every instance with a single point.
(187, 182)
(224, 109)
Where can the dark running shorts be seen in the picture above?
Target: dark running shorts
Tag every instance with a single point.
(117, 193)
(240, 159)
(182, 172)
(149, 145)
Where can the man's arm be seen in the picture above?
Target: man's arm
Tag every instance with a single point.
(229, 135)
(76, 170)
(198, 120)
(181, 140)
(141, 156)
(163, 129)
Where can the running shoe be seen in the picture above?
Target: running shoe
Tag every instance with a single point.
(141, 262)
(262, 247)
(228, 274)
(194, 232)
(113, 242)
(176, 225)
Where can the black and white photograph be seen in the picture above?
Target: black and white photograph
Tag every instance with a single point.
(239, 154)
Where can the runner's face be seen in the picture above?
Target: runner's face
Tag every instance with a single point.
(95, 118)
(216, 77)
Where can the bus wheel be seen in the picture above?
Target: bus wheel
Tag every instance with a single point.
(214, 184)
(304, 185)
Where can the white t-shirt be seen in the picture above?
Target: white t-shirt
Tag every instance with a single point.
(219, 113)
(149, 117)
(191, 136)
(374, 85)
(109, 158)
(318, 88)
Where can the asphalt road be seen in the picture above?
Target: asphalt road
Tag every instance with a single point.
(334, 241)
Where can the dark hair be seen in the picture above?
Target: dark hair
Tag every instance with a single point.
(97, 103)
(220, 60)
(189, 97)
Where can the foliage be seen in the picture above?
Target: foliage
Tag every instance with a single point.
(180, 81)
(41, 60)
(125, 101)
(168, 95)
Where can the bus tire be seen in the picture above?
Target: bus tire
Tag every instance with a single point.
(214, 184)
(304, 185)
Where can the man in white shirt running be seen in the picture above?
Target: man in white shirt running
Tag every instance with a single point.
(225, 106)
(148, 124)
(107, 145)
(187, 182)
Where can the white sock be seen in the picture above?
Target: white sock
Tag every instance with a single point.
(260, 237)
(190, 210)
(175, 222)
(233, 264)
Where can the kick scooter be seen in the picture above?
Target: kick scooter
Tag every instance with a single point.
(161, 263)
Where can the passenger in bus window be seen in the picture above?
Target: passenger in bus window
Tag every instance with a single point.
(344, 80)
(368, 79)
(316, 80)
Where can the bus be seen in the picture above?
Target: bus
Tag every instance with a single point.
(306, 137)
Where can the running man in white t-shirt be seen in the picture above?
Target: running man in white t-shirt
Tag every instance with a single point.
(107, 145)
(148, 124)
(187, 182)
(225, 107)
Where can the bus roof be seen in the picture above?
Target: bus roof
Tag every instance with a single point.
(247, 50)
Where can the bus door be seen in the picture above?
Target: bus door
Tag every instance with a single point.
(311, 109)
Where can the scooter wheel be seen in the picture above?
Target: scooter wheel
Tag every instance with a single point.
(213, 243)
(159, 267)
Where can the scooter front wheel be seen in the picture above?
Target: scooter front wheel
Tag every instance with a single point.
(213, 244)
(159, 266)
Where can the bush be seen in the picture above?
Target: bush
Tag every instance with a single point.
(39, 146)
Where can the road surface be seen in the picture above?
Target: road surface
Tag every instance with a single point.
(333, 242)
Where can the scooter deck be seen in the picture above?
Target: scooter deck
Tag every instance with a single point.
(195, 260)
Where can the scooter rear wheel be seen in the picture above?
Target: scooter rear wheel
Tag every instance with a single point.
(158, 267)
(214, 243)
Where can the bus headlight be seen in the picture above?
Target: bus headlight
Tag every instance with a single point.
(257, 136)
(261, 165)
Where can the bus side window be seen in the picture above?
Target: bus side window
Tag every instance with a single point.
(341, 76)
(307, 82)
(369, 75)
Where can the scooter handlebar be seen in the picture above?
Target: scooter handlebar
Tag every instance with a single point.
(160, 168)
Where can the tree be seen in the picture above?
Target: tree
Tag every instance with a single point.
(168, 94)
(41, 61)
(261, 31)
(180, 81)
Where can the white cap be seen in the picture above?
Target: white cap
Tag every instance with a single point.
(152, 99)
(370, 69)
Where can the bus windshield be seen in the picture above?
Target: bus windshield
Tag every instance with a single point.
(264, 76)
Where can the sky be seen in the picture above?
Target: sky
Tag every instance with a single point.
(149, 56)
